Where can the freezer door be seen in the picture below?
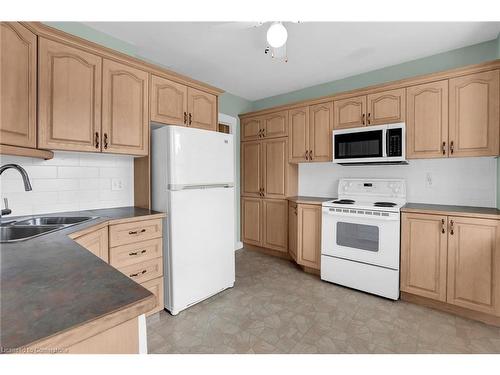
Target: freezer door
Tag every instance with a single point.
(201, 245)
(199, 157)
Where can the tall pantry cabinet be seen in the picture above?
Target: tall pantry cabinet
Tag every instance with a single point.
(267, 178)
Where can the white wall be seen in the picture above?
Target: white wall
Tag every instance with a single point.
(461, 181)
(70, 181)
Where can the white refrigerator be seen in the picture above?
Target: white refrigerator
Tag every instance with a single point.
(193, 182)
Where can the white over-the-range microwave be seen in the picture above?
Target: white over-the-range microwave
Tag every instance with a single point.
(379, 144)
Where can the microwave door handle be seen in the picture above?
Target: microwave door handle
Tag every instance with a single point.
(386, 147)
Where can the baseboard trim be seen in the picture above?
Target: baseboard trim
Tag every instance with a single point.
(267, 251)
(452, 309)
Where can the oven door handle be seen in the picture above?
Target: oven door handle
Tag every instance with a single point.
(392, 216)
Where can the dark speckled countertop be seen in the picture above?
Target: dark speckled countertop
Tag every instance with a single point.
(440, 209)
(50, 283)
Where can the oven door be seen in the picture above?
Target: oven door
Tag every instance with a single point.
(365, 238)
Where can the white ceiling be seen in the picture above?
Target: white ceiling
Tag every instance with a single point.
(230, 55)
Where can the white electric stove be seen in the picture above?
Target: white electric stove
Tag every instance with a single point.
(360, 235)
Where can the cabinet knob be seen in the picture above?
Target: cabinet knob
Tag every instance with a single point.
(96, 139)
(185, 118)
(452, 147)
(363, 119)
(105, 141)
(369, 118)
(190, 118)
(452, 229)
(443, 229)
(307, 154)
(444, 148)
(310, 154)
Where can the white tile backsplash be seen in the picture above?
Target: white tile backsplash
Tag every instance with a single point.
(456, 181)
(70, 181)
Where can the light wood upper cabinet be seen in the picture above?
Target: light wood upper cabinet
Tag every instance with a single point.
(125, 109)
(299, 134)
(251, 168)
(320, 132)
(474, 264)
(275, 224)
(386, 107)
(349, 113)
(251, 224)
(69, 98)
(309, 235)
(202, 109)
(251, 128)
(96, 242)
(427, 120)
(292, 230)
(275, 157)
(474, 115)
(168, 101)
(18, 85)
(424, 255)
(275, 125)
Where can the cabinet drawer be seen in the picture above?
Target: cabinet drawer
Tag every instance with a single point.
(144, 271)
(156, 287)
(126, 233)
(138, 252)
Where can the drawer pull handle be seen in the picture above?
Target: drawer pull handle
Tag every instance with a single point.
(136, 232)
(452, 229)
(137, 252)
(443, 226)
(138, 273)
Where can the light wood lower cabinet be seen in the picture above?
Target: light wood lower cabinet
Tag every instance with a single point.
(155, 286)
(18, 70)
(265, 223)
(292, 230)
(275, 224)
(135, 231)
(474, 264)
(305, 234)
(452, 259)
(424, 247)
(96, 242)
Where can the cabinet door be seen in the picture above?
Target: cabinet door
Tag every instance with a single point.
(474, 264)
(18, 85)
(349, 113)
(275, 223)
(251, 225)
(320, 132)
(275, 160)
(474, 115)
(309, 235)
(424, 242)
(427, 120)
(386, 107)
(125, 116)
(299, 135)
(96, 242)
(202, 108)
(251, 128)
(251, 168)
(292, 230)
(69, 97)
(276, 124)
(168, 101)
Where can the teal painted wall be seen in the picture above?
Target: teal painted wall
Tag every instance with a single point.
(447, 60)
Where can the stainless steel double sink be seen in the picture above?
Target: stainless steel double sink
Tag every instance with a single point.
(14, 231)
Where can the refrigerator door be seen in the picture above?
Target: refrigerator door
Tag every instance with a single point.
(198, 157)
(200, 261)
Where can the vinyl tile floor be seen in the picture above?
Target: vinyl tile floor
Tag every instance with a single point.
(275, 307)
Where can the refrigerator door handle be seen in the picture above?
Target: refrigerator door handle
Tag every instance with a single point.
(176, 187)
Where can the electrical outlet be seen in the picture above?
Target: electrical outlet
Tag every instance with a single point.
(116, 184)
(428, 180)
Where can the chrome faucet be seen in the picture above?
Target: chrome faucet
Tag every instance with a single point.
(26, 180)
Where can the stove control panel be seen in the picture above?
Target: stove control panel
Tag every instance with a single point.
(353, 187)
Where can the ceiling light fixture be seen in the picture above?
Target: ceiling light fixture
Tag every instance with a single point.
(277, 35)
